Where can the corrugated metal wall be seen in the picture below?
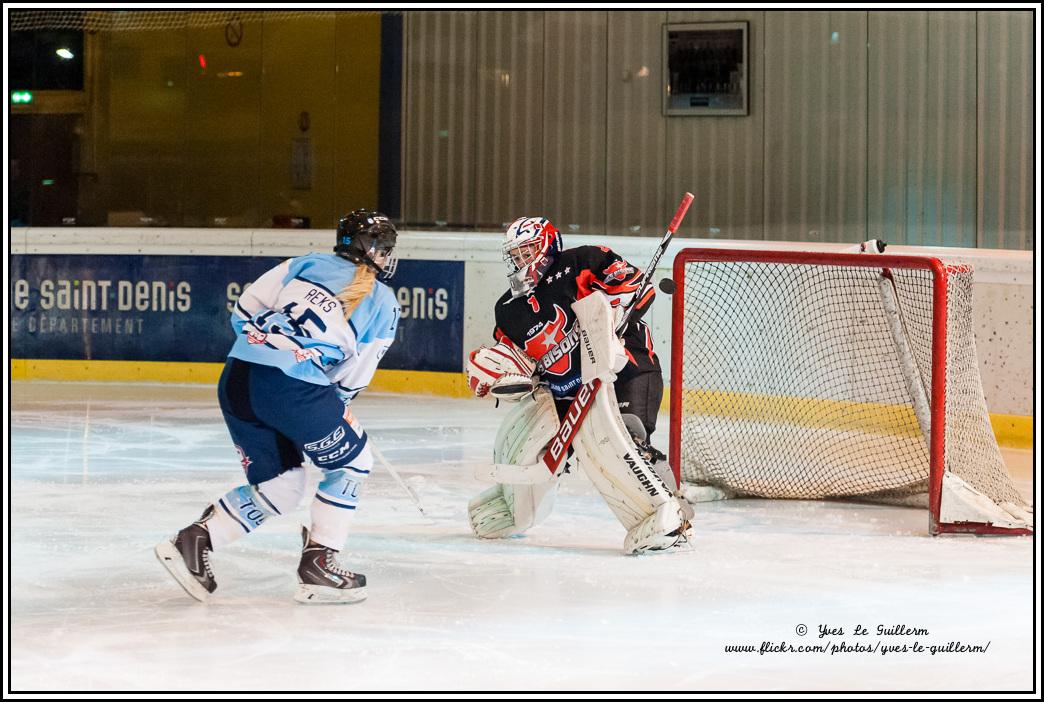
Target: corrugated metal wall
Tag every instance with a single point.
(1005, 116)
(573, 167)
(915, 127)
(440, 101)
(721, 159)
(509, 169)
(815, 126)
(636, 158)
(921, 75)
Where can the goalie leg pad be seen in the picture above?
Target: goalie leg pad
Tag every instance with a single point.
(526, 430)
(604, 449)
(489, 514)
(665, 529)
(520, 441)
(507, 510)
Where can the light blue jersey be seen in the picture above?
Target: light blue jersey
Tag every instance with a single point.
(290, 318)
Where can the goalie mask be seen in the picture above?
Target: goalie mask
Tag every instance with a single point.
(531, 245)
(368, 238)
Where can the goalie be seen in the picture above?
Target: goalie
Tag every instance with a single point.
(556, 299)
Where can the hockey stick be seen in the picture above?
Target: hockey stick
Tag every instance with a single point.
(679, 215)
(395, 474)
(559, 445)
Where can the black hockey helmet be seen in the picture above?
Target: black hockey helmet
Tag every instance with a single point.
(363, 236)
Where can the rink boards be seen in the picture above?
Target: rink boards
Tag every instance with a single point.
(177, 308)
(153, 305)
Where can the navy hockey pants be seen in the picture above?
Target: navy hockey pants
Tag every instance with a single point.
(276, 420)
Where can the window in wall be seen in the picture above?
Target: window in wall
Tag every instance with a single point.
(705, 68)
(46, 60)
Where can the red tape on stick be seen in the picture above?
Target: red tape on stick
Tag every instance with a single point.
(680, 214)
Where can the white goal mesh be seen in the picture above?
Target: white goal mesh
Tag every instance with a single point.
(812, 377)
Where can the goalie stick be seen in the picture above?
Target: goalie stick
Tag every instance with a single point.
(559, 445)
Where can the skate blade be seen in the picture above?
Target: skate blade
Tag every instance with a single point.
(172, 561)
(320, 594)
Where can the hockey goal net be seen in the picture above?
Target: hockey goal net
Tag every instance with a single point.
(819, 375)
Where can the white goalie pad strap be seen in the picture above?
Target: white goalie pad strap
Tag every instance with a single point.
(506, 510)
(520, 442)
(503, 363)
(600, 349)
(605, 451)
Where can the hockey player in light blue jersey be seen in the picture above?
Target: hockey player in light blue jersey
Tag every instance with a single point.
(309, 335)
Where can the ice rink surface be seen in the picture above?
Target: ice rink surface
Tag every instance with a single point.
(100, 473)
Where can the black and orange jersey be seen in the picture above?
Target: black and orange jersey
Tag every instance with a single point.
(540, 321)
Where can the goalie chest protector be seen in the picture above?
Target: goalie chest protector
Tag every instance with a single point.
(539, 322)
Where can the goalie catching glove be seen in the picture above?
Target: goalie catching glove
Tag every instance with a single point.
(503, 371)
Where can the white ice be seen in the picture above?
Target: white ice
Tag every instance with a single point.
(101, 472)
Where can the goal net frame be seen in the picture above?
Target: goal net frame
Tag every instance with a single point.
(936, 396)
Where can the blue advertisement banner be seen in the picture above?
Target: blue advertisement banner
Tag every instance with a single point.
(176, 308)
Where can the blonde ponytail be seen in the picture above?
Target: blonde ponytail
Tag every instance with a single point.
(359, 287)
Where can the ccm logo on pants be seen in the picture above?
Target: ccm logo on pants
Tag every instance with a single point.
(337, 449)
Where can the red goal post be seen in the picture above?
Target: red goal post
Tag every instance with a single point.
(813, 375)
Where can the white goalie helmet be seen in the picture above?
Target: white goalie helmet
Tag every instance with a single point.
(531, 245)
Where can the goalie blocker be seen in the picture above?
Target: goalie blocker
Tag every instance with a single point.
(640, 497)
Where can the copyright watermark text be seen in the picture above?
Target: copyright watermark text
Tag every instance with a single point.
(881, 639)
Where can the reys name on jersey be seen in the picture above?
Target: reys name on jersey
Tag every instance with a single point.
(415, 302)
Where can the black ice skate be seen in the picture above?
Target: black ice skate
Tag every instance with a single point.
(187, 557)
(321, 579)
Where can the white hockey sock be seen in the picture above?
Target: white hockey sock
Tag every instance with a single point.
(243, 509)
(224, 528)
(334, 506)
